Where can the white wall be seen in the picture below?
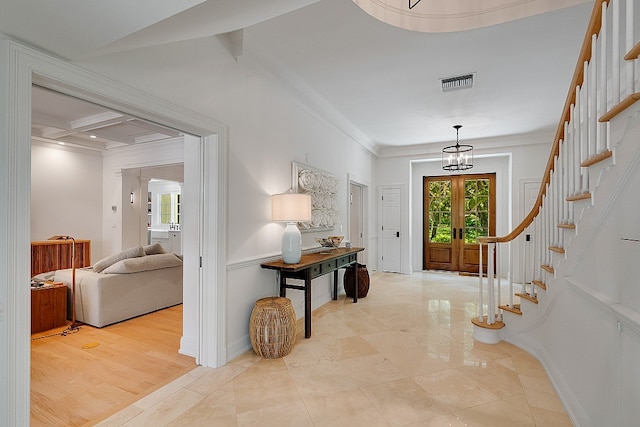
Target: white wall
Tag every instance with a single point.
(269, 127)
(510, 164)
(72, 194)
(66, 194)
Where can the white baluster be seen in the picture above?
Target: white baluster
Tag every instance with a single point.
(557, 201)
(565, 176)
(552, 202)
(602, 80)
(570, 164)
(593, 99)
(540, 243)
(584, 134)
(498, 283)
(491, 285)
(524, 244)
(480, 306)
(543, 231)
(629, 42)
(535, 247)
(576, 144)
(511, 272)
(629, 65)
(615, 53)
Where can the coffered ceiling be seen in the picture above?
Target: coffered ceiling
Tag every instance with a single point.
(65, 120)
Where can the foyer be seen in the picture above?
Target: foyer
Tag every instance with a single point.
(404, 355)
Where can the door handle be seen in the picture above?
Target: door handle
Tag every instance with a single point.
(397, 234)
(454, 234)
(460, 233)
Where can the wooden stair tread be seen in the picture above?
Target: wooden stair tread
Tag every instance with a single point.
(495, 325)
(548, 269)
(556, 249)
(596, 159)
(567, 226)
(515, 309)
(539, 284)
(623, 105)
(528, 297)
(577, 197)
(633, 53)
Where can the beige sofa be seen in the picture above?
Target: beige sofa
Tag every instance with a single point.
(136, 283)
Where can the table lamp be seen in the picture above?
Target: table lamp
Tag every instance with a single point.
(291, 208)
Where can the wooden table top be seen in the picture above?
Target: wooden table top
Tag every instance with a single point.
(308, 260)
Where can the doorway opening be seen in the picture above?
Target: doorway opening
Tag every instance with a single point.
(74, 168)
(456, 211)
(205, 316)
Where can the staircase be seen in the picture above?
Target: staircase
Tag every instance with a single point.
(570, 291)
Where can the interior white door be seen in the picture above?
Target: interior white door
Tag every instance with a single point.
(391, 235)
(355, 215)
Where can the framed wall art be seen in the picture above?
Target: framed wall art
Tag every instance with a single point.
(323, 189)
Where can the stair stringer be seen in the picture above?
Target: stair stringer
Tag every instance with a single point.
(572, 341)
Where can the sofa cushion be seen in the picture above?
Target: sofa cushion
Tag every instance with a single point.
(134, 252)
(154, 249)
(145, 263)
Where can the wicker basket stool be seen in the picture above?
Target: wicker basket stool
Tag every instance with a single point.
(272, 327)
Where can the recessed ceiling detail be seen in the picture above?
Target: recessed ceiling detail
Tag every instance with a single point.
(63, 119)
(437, 16)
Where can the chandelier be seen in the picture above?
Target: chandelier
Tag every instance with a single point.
(457, 157)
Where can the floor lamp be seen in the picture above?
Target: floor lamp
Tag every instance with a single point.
(73, 327)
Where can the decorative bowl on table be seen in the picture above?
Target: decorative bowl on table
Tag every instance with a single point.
(330, 242)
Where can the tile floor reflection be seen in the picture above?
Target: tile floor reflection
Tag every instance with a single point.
(402, 356)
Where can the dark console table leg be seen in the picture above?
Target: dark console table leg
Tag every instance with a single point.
(335, 284)
(355, 292)
(283, 282)
(307, 304)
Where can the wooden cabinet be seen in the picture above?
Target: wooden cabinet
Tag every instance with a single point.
(51, 255)
(175, 241)
(48, 307)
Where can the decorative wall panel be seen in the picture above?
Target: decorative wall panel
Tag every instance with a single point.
(323, 188)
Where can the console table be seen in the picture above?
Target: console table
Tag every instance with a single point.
(311, 266)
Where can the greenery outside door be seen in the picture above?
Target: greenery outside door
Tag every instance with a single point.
(457, 210)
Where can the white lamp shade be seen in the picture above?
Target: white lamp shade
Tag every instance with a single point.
(291, 207)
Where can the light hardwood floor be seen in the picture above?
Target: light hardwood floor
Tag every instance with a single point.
(76, 386)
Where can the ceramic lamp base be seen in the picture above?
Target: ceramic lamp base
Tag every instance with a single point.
(291, 244)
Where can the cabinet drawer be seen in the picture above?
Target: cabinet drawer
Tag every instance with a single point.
(344, 261)
(328, 266)
(316, 271)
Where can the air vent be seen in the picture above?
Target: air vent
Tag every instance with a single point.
(456, 83)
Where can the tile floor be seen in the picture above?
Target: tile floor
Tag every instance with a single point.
(402, 356)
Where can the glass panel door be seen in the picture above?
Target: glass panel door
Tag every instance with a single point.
(458, 210)
(438, 224)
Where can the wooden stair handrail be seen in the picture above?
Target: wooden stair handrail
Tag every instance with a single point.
(595, 23)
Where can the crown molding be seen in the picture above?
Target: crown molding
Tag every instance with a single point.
(497, 142)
